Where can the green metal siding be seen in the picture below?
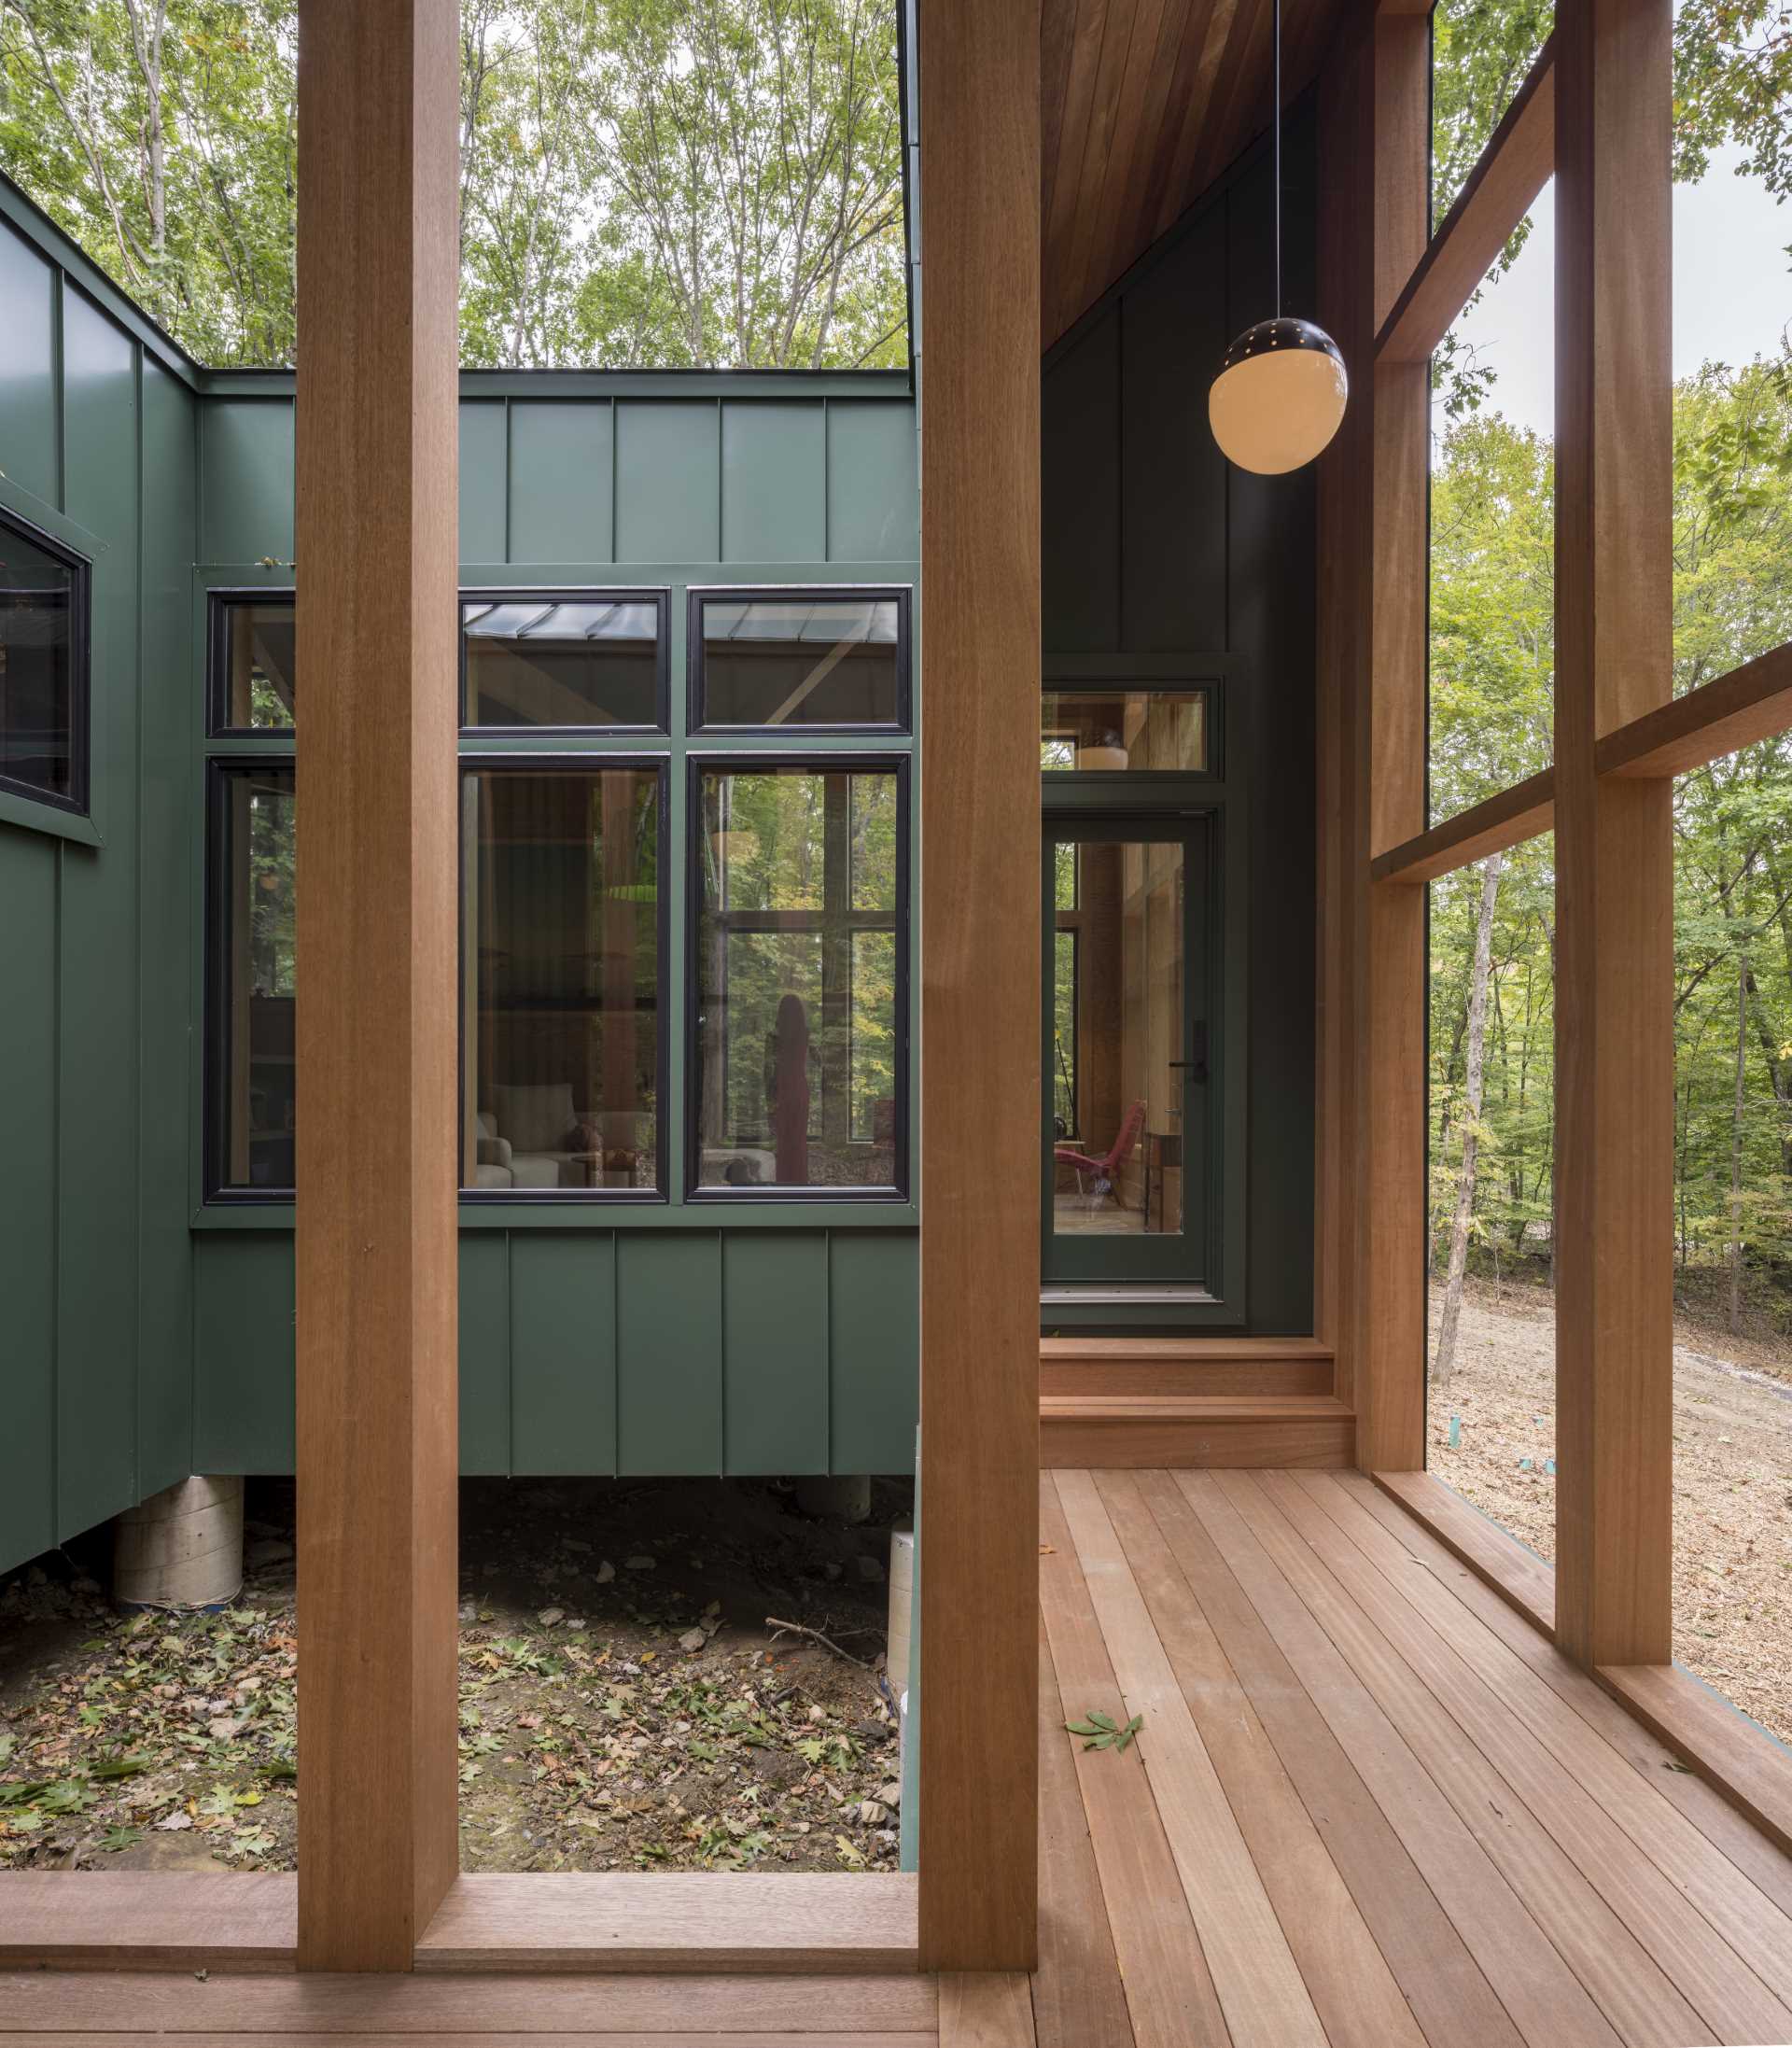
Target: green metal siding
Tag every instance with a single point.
(149, 1335)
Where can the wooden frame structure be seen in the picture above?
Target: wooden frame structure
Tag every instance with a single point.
(1595, 113)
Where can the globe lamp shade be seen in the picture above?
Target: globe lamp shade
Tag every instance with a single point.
(1279, 396)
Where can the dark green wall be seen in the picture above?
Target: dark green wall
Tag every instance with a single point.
(149, 1335)
(96, 445)
(1153, 545)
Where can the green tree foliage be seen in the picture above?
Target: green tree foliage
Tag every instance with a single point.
(694, 183)
(1491, 688)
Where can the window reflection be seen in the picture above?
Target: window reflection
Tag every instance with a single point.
(801, 661)
(800, 974)
(42, 692)
(255, 982)
(1110, 731)
(256, 652)
(560, 959)
(535, 660)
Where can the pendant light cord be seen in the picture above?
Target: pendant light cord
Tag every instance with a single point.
(1275, 131)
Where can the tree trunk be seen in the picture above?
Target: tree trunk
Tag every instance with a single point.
(1471, 1119)
(1736, 1151)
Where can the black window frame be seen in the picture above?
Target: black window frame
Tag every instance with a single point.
(221, 602)
(902, 725)
(78, 802)
(220, 771)
(658, 596)
(513, 762)
(760, 762)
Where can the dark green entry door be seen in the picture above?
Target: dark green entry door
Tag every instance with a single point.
(1124, 1099)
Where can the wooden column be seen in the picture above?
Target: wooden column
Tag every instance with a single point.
(378, 108)
(1614, 839)
(980, 982)
(1370, 1297)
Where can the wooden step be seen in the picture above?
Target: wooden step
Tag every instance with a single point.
(1184, 1365)
(1079, 1431)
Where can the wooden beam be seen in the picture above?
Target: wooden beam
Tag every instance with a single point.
(1751, 703)
(1614, 839)
(980, 970)
(1369, 1292)
(1525, 811)
(378, 112)
(1507, 176)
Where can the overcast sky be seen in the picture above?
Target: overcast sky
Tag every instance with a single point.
(1732, 290)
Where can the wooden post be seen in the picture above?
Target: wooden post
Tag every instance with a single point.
(1614, 839)
(1370, 1294)
(378, 108)
(980, 983)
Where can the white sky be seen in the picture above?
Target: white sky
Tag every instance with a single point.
(1732, 290)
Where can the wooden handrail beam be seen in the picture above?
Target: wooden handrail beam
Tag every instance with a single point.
(1525, 811)
(1510, 171)
(1750, 703)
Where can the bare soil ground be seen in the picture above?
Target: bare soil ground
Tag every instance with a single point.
(623, 1703)
(1732, 1478)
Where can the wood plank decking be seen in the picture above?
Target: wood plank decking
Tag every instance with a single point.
(1371, 1806)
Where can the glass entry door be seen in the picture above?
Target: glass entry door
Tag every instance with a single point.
(1125, 1094)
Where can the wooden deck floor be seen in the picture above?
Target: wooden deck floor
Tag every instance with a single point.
(1370, 1807)
(1370, 1803)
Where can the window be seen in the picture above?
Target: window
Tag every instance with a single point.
(832, 661)
(536, 661)
(561, 936)
(1116, 729)
(43, 668)
(798, 1068)
(252, 664)
(250, 1102)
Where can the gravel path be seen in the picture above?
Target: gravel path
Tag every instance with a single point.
(1732, 1482)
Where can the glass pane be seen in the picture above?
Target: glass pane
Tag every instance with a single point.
(38, 747)
(535, 662)
(1114, 729)
(798, 1050)
(1119, 1063)
(258, 667)
(560, 962)
(253, 1057)
(801, 661)
(1479, 56)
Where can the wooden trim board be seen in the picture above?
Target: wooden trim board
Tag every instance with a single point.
(1498, 1558)
(1730, 1752)
(840, 1923)
(1165, 1432)
(161, 1920)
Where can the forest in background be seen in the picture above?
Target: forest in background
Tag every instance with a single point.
(668, 183)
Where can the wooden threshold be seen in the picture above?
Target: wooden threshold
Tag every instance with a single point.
(821, 1922)
(1518, 1576)
(246, 1920)
(1734, 1755)
(1194, 1430)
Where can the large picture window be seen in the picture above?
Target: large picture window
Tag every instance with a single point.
(43, 668)
(562, 1051)
(799, 1065)
(252, 980)
(534, 661)
(812, 660)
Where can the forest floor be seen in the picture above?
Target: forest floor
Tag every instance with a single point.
(623, 1703)
(1733, 1477)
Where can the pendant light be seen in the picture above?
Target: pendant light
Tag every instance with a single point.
(1279, 393)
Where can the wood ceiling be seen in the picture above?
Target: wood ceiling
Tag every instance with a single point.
(1144, 104)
